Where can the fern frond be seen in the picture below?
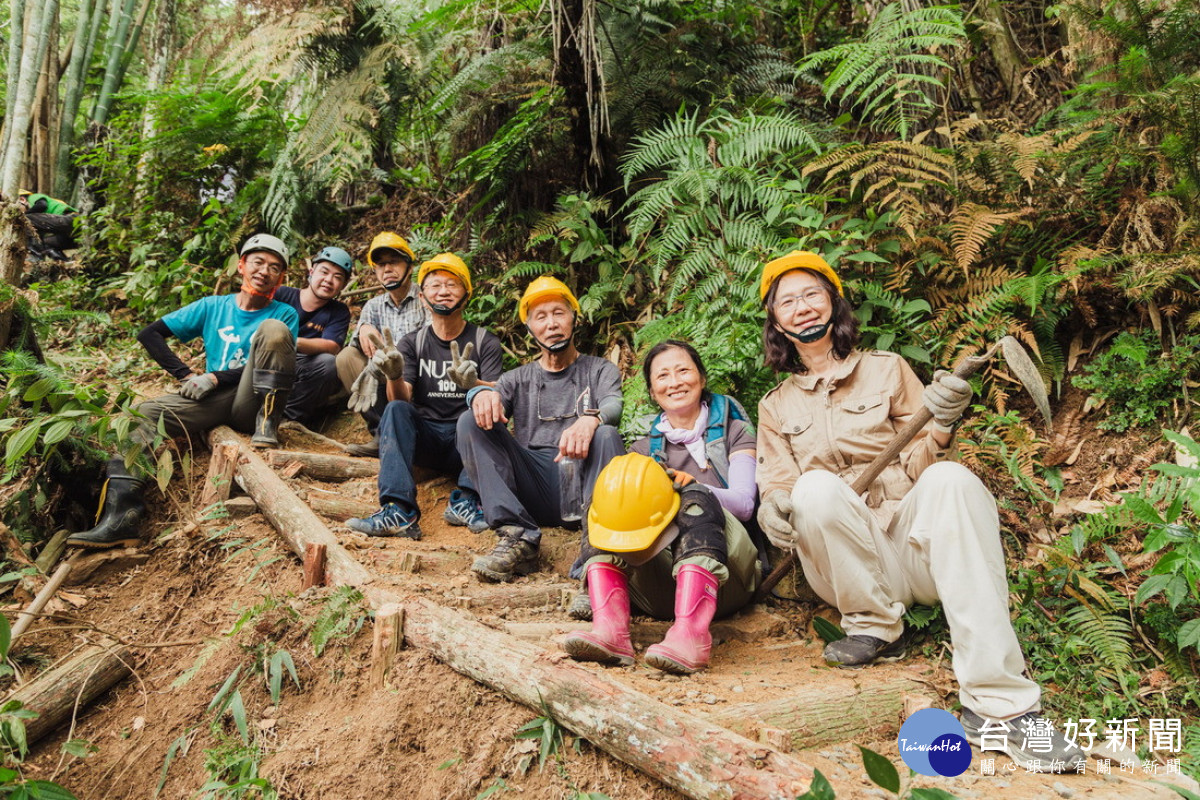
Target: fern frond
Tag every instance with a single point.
(971, 226)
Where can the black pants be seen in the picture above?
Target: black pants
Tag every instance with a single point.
(55, 229)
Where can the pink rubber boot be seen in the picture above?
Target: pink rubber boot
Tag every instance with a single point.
(686, 646)
(608, 640)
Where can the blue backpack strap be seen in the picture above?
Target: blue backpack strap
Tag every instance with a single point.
(656, 441)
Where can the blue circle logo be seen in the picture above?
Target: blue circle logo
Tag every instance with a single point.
(932, 742)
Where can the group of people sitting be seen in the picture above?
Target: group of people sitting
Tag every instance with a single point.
(669, 527)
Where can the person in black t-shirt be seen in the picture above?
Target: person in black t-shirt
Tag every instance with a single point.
(419, 425)
(324, 322)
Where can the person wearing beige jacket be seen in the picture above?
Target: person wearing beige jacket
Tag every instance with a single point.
(926, 531)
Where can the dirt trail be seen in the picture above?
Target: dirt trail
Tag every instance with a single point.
(431, 733)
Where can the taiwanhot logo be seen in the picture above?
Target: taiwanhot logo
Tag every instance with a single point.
(932, 742)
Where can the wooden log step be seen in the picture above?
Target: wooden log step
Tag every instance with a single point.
(515, 596)
(78, 680)
(748, 628)
(831, 711)
(326, 467)
(339, 507)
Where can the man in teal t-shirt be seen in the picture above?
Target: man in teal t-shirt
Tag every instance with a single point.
(250, 366)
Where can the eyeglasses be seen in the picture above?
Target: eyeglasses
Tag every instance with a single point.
(812, 298)
(433, 287)
(582, 402)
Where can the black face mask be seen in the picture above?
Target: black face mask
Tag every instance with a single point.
(392, 286)
(810, 335)
(557, 347)
(445, 311)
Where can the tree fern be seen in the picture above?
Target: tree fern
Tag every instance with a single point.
(887, 74)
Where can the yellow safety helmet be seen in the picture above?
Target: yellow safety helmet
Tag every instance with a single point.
(541, 289)
(797, 259)
(391, 241)
(632, 503)
(446, 262)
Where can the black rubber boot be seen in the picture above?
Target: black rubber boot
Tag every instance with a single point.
(273, 387)
(120, 514)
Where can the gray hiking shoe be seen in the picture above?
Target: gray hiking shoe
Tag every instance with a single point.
(464, 510)
(857, 650)
(511, 557)
(391, 520)
(1030, 740)
(581, 607)
(364, 450)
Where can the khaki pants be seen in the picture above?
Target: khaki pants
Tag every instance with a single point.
(350, 363)
(271, 348)
(942, 545)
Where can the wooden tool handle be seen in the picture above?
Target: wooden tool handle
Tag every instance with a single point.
(966, 369)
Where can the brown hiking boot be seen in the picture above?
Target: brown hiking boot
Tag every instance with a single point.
(511, 557)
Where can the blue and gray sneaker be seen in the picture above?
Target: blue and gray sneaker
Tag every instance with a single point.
(464, 509)
(391, 520)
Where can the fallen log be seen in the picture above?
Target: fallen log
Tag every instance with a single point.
(58, 692)
(698, 758)
(288, 514)
(326, 467)
(219, 482)
(687, 752)
(827, 713)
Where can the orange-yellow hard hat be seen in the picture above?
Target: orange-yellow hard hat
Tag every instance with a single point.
(632, 503)
(390, 241)
(446, 262)
(797, 259)
(541, 289)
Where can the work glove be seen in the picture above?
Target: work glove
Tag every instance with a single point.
(387, 358)
(947, 397)
(196, 387)
(679, 478)
(775, 518)
(463, 371)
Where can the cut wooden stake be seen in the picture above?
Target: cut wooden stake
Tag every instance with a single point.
(295, 521)
(314, 565)
(53, 695)
(220, 475)
(325, 467)
(291, 469)
(389, 636)
(410, 562)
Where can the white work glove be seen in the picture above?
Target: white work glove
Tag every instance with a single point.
(463, 371)
(196, 387)
(947, 397)
(775, 518)
(387, 358)
(365, 389)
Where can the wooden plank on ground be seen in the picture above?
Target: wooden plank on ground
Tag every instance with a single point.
(326, 467)
(58, 692)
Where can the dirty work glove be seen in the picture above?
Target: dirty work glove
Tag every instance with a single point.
(387, 358)
(679, 478)
(463, 371)
(365, 390)
(775, 518)
(947, 397)
(195, 387)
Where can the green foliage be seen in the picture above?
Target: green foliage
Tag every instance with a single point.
(819, 789)
(1138, 381)
(891, 76)
(547, 732)
(16, 748)
(1155, 80)
(881, 771)
(827, 630)
(341, 616)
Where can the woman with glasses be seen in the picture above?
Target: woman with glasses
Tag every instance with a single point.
(686, 561)
(926, 531)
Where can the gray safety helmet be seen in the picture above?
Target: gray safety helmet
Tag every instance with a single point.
(269, 243)
(338, 257)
